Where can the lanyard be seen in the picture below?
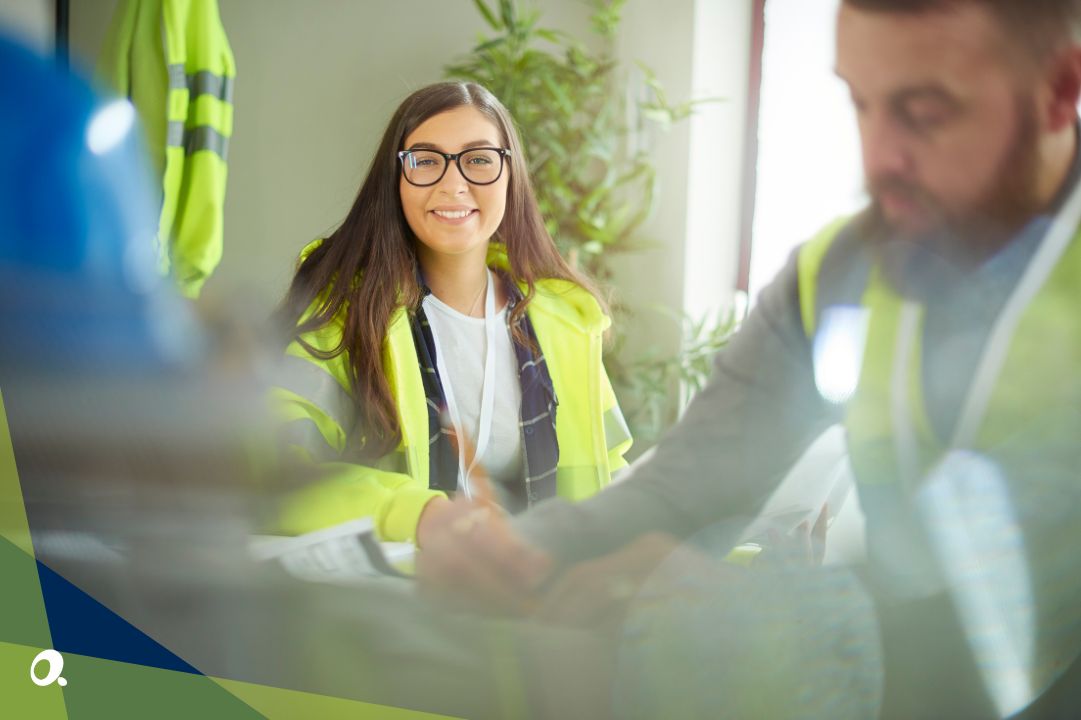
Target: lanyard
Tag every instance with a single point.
(1053, 245)
(487, 395)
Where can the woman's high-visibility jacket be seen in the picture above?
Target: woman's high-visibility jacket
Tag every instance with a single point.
(319, 416)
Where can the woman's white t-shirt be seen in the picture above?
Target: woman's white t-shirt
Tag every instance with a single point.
(463, 343)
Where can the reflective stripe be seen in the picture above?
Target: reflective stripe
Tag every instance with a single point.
(395, 461)
(314, 384)
(303, 432)
(906, 446)
(174, 134)
(196, 139)
(203, 82)
(616, 431)
(178, 79)
(206, 138)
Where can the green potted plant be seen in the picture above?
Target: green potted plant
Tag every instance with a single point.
(595, 187)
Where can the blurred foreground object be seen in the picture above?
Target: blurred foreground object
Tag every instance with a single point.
(129, 448)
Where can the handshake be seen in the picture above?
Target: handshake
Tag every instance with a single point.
(472, 559)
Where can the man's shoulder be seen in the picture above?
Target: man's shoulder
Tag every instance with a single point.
(840, 240)
(832, 268)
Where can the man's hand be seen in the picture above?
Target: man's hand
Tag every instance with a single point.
(806, 545)
(598, 592)
(469, 558)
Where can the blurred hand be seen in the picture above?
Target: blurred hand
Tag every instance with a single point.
(469, 558)
(806, 545)
(598, 592)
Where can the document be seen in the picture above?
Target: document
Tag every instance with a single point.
(342, 554)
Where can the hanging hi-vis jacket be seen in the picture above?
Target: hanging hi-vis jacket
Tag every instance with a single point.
(172, 59)
(313, 403)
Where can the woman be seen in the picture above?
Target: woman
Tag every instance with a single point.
(441, 308)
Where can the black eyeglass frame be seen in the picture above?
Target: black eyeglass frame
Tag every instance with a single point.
(503, 153)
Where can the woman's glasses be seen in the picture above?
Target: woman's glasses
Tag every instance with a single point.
(480, 166)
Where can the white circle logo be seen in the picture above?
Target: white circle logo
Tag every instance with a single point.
(56, 666)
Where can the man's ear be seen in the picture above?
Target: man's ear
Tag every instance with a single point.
(1065, 86)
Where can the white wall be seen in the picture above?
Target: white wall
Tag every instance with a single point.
(318, 80)
(699, 49)
(30, 20)
(660, 36)
(722, 50)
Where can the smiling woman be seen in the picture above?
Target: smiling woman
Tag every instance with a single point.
(454, 202)
(433, 335)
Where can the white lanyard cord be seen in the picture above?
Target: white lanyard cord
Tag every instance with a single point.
(1053, 245)
(1051, 249)
(487, 395)
(904, 434)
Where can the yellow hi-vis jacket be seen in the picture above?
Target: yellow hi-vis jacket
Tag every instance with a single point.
(319, 415)
(1002, 494)
(172, 59)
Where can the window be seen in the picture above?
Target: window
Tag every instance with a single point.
(808, 160)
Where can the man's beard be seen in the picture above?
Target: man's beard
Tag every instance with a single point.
(974, 232)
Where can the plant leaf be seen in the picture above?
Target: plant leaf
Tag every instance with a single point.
(487, 14)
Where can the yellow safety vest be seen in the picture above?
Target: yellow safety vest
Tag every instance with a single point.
(314, 405)
(996, 505)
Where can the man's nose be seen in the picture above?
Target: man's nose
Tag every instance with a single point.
(885, 148)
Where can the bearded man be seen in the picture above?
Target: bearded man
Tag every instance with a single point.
(940, 327)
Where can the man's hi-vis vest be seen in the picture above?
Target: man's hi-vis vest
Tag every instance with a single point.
(993, 513)
(319, 417)
(173, 60)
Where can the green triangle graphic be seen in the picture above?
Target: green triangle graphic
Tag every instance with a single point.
(283, 704)
(24, 626)
(19, 696)
(98, 688)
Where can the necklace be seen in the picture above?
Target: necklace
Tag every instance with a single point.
(480, 294)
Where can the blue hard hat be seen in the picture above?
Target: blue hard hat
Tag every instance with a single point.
(78, 224)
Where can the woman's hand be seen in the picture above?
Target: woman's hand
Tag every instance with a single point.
(469, 558)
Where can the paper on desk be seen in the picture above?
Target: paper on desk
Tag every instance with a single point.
(821, 477)
(341, 554)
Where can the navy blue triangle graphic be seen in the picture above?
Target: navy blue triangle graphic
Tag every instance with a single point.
(81, 625)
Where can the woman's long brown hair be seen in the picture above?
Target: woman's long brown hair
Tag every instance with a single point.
(368, 265)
